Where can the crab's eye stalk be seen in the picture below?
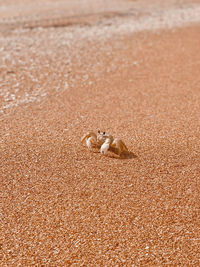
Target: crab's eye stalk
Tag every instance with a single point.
(98, 131)
(104, 133)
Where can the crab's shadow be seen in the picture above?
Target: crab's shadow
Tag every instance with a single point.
(114, 154)
(124, 155)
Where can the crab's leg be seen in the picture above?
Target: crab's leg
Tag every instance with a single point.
(124, 146)
(119, 144)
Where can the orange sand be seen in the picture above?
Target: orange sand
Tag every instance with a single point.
(62, 205)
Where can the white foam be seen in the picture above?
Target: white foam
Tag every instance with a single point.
(159, 19)
(70, 37)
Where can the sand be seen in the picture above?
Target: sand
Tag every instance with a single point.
(135, 75)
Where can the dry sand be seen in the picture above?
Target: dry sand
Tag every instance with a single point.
(134, 74)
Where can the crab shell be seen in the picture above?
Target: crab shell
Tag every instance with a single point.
(102, 137)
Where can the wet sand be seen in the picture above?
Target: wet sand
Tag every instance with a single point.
(63, 205)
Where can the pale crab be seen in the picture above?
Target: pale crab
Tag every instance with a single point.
(105, 141)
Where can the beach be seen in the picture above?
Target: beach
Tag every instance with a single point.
(124, 67)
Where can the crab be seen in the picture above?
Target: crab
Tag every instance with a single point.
(105, 141)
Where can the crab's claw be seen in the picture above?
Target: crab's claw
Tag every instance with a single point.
(105, 146)
(87, 135)
(91, 139)
(90, 142)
